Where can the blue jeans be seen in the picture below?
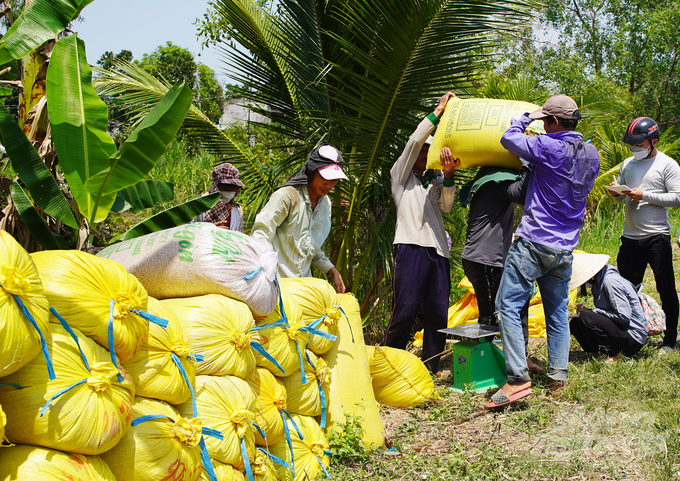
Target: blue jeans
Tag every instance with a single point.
(551, 269)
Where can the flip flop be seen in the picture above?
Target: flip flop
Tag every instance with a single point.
(500, 399)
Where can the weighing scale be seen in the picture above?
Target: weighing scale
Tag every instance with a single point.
(478, 364)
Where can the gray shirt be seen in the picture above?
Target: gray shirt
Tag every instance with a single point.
(659, 179)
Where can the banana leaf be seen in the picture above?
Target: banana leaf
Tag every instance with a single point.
(34, 222)
(5, 91)
(39, 22)
(173, 217)
(139, 153)
(33, 172)
(143, 195)
(79, 120)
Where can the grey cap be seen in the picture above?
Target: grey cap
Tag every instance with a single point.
(561, 106)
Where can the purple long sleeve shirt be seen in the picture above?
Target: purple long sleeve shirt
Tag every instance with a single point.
(564, 172)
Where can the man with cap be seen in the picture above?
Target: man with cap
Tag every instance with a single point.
(421, 254)
(564, 171)
(616, 327)
(654, 182)
(297, 217)
(227, 213)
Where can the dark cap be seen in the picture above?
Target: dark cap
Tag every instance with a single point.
(561, 106)
(226, 174)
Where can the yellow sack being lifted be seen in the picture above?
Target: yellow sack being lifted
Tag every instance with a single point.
(224, 472)
(155, 368)
(284, 338)
(318, 303)
(83, 410)
(350, 392)
(472, 129)
(310, 453)
(19, 285)
(81, 287)
(220, 330)
(226, 404)
(160, 445)
(3, 423)
(400, 379)
(271, 402)
(31, 463)
(306, 399)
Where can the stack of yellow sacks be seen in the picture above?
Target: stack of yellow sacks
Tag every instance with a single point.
(113, 384)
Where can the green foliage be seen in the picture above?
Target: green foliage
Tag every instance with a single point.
(108, 59)
(347, 446)
(174, 64)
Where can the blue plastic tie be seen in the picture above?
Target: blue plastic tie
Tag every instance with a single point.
(348, 323)
(323, 467)
(207, 463)
(43, 343)
(195, 357)
(112, 345)
(44, 408)
(150, 417)
(213, 433)
(303, 378)
(294, 425)
(15, 386)
(286, 431)
(246, 461)
(316, 332)
(259, 348)
(147, 316)
(278, 323)
(322, 395)
(259, 430)
(276, 459)
(281, 309)
(178, 363)
(252, 274)
(73, 335)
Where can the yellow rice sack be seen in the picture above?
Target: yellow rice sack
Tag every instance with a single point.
(310, 399)
(271, 402)
(350, 392)
(155, 367)
(309, 453)
(19, 285)
(537, 314)
(81, 287)
(318, 303)
(224, 472)
(226, 404)
(400, 379)
(472, 129)
(263, 467)
(197, 259)
(31, 463)
(165, 446)
(284, 338)
(3, 423)
(85, 411)
(220, 330)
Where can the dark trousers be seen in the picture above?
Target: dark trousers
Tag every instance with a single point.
(597, 333)
(485, 281)
(422, 279)
(634, 255)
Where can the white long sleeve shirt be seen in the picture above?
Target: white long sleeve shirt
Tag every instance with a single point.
(659, 179)
(419, 209)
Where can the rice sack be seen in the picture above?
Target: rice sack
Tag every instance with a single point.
(86, 409)
(95, 296)
(197, 259)
(20, 285)
(310, 399)
(271, 404)
(31, 463)
(310, 453)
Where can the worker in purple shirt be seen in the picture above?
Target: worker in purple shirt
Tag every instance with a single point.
(564, 171)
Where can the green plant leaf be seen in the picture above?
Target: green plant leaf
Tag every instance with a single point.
(139, 153)
(78, 119)
(147, 193)
(34, 222)
(39, 22)
(33, 172)
(5, 91)
(173, 217)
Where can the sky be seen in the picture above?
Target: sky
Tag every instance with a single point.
(142, 25)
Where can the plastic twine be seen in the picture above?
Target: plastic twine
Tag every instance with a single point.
(348, 323)
(47, 404)
(147, 316)
(178, 363)
(246, 461)
(43, 343)
(252, 274)
(259, 348)
(322, 395)
(325, 471)
(112, 345)
(68, 329)
(206, 461)
(276, 459)
(259, 430)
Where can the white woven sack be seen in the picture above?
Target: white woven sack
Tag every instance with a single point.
(198, 259)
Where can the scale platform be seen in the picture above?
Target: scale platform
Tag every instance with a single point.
(478, 364)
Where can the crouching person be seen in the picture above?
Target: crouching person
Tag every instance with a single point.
(616, 327)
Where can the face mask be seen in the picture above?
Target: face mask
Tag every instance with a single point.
(227, 196)
(640, 152)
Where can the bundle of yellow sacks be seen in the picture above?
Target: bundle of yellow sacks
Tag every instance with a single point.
(100, 381)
